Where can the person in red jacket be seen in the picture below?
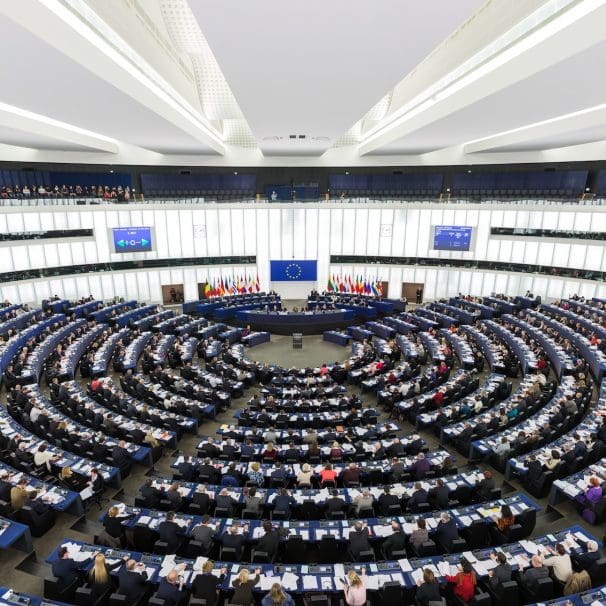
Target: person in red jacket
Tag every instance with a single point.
(464, 581)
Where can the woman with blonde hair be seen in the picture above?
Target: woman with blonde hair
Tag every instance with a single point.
(99, 579)
(277, 597)
(113, 527)
(70, 479)
(149, 439)
(355, 588)
(243, 584)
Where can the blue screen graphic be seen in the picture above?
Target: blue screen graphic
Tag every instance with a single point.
(132, 239)
(293, 271)
(449, 237)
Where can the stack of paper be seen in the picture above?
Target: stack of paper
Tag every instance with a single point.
(310, 583)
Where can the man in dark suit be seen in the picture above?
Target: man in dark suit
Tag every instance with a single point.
(334, 504)
(270, 541)
(151, 494)
(418, 497)
(120, 455)
(96, 482)
(131, 580)
(5, 487)
(358, 540)
(439, 495)
(394, 542)
(535, 469)
(536, 571)
(500, 574)
(204, 533)
(485, 486)
(386, 500)
(210, 449)
(283, 501)
(169, 532)
(292, 453)
(186, 470)
(65, 569)
(421, 466)
(231, 538)
(171, 589)
(224, 501)
(446, 531)
(589, 557)
(229, 450)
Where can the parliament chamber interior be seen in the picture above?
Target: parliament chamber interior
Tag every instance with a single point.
(302, 304)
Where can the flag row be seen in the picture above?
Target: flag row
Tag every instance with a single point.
(354, 284)
(232, 285)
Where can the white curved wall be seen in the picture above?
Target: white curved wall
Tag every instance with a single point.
(301, 231)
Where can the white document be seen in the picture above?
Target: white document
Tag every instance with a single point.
(87, 493)
(417, 575)
(469, 557)
(372, 582)
(310, 582)
(290, 580)
(405, 565)
(266, 582)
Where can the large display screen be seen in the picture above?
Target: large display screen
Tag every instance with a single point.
(293, 271)
(132, 239)
(450, 237)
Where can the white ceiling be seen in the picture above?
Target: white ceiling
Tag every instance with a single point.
(188, 82)
(61, 88)
(314, 67)
(566, 87)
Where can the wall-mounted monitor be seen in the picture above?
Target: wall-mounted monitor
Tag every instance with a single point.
(452, 237)
(132, 239)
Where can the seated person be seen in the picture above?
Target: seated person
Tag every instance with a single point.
(419, 535)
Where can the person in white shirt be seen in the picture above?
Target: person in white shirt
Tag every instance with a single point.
(560, 562)
(43, 457)
(34, 414)
(502, 448)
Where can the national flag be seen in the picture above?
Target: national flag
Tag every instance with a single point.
(207, 289)
(375, 288)
(258, 285)
(330, 287)
(222, 286)
(341, 284)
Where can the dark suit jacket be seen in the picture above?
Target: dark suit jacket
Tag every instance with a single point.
(446, 533)
(335, 504)
(532, 575)
(169, 532)
(269, 543)
(500, 574)
(131, 584)
(204, 587)
(358, 541)
(234, 540)
(151, 495)
(66, 571)
(417, 497)
(440, 496)
(169, 593)
(428, 592)
(385, 500)
(120, 456)
(394, 542)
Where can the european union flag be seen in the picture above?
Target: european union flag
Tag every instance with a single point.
(293, 271)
